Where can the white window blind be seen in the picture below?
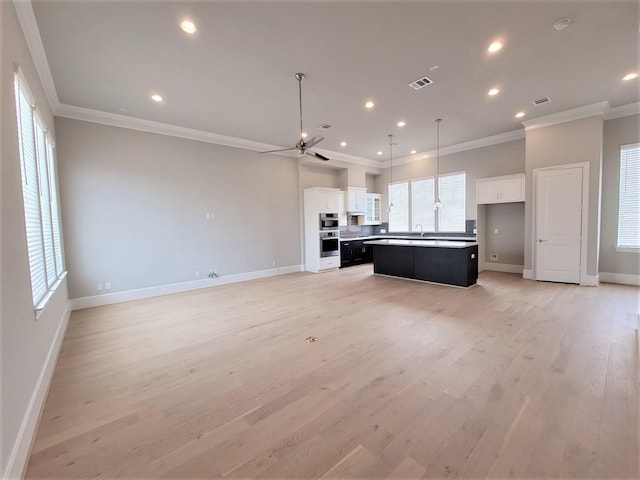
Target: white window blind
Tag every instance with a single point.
(39, 193)
(422, 200)
(629, 200)
(399, 214)
(452, 190)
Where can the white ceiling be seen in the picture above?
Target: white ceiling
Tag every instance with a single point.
(235, 76)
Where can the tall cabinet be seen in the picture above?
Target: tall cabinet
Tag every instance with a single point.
(318, 200)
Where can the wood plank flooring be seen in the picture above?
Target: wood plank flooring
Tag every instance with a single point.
(510, 378)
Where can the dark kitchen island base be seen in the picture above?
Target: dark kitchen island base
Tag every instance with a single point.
(426, 260)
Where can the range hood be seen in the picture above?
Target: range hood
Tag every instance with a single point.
(354, 214)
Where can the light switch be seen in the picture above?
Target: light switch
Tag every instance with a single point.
(496, 231)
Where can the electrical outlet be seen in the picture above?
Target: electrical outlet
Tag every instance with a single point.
(274, 263)
(197, 273)
(212, 215)
(383, 230)
(494, 256)
(107, 286)
(99, 287)
(215, 272)
(207, 216)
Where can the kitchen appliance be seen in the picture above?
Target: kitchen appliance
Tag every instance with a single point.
(329, 244)
(329, 221)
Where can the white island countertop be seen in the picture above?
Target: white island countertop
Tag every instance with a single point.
(407, 237)
(421, 243)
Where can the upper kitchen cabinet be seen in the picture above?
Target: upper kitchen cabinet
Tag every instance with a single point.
(372, 212)
(356, 200)
(504, 189)
(322, 200)
(342, 210)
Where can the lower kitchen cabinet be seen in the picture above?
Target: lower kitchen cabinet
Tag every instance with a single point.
(355, 252)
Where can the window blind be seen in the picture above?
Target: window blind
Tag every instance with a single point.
(422, 201)
(399, 214)
(629, 200)
(39, 194)
(452, 190)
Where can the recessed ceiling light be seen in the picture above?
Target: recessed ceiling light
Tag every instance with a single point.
(519, 114)
(343, 144)
(413, 152)
(188, 26)
(304, 135)
(494, 47)
(379, 153)
(401, 123)
(562, 24)
(369, 104)
(156, 98)
(630, 76)
(494, 91)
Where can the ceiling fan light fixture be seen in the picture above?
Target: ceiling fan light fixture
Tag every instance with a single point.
(188, 26)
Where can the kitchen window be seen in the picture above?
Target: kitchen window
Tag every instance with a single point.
(449, 218)
(629, 199)
(40, 196)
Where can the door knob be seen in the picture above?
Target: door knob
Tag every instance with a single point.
(540, 240)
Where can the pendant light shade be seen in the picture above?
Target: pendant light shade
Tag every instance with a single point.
(391, 144)
(438, 204)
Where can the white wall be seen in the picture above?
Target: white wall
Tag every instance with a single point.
(566, 143)
(134, 208)
(27, 343)
(617, 132)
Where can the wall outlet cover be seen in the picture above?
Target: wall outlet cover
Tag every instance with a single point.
(494, 256)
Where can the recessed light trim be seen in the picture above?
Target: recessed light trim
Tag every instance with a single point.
(379, 153)
(495, 47)
(369, 104)
(493, 92)
(343, 144)
(304, 135)
(630, 76)
(157, 98)
(188, 26)
(520, 114)
(413, 152)
(562, 24)
(401, 123)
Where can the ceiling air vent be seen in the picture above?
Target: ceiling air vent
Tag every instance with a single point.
(324, 126)
(541, 101)
(421, 83)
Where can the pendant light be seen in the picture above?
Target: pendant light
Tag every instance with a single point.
(438, 203)
(391, 144)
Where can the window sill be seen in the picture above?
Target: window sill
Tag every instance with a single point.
(628, 249)
(44, 302)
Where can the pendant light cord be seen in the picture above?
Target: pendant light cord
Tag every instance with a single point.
(391, 171)
(437, 182)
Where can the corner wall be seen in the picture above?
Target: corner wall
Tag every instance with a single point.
(29, 345)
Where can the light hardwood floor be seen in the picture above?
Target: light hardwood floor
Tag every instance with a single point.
(510, 378)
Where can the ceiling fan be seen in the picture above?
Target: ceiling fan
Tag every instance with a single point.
(303, 146)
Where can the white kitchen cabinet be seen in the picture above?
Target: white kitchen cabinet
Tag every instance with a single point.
(342, 208)
(356, 199)
(372, 211)
(327, 200)
(504, 189)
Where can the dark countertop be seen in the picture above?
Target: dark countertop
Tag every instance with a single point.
(409, 237)
(400, 242)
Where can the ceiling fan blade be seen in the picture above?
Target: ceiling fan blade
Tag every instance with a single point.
(313, 141)
(281, 150)
(319, 155)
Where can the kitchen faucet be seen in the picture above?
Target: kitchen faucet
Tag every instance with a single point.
(421, 229)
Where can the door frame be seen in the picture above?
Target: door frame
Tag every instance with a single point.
(584, 230)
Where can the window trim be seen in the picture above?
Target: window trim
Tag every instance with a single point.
(625, 248)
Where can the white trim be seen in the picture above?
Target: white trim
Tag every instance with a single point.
(622, 278)
(461, 147)
(21, 448)
(503, 267)
(590, 280)
(126, 296)
(622, 111)
(527, 274)
(584, 234)
(27, 19)
(567, 116)
(628, 249)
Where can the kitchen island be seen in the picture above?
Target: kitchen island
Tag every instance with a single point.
(448, 262)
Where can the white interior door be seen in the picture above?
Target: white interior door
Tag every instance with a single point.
(558, 224)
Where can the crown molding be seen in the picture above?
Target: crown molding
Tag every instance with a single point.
(461, 147)
(567, 116)
(31, 32)
(622, 111)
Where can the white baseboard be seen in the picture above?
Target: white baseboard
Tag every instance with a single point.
(528, 274)
(19, 454)
(623, 278)
(126, 296)
(503, 267)
(590, 280)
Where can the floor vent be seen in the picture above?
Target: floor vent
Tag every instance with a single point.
(324, 126)
(421, 83)
(541, 101)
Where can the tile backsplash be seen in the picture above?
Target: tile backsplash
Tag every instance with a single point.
(367, 230)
